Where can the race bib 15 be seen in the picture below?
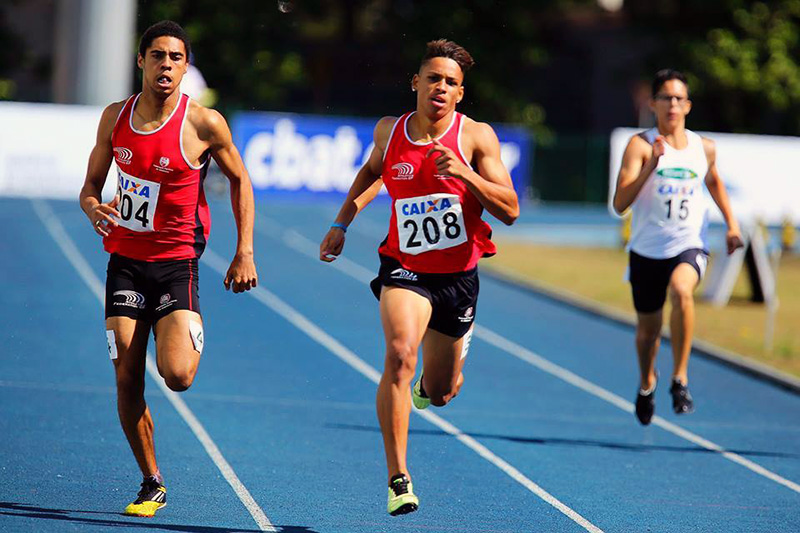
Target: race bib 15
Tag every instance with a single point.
(678, 202)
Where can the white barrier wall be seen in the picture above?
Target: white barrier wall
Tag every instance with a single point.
(761, 173)
(44, 150)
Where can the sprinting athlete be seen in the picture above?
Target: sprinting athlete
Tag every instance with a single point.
(662, 178)
(441, 170)
(155, 229)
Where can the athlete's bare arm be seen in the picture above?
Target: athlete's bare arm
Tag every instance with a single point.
(716, 187)
(101, 214)
(365, 187)
(491, 184)
(638, 162)
(213, 132)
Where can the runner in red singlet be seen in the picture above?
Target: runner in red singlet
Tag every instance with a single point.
(155, 229)
(441, 170)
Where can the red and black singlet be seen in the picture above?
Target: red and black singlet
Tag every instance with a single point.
(436, 224)
(164, 213)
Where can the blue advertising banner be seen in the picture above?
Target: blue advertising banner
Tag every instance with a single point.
(286, 152)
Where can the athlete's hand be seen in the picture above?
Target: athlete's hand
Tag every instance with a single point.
(102, 217)
(331, 245)
(733, 240)
(659, 147)
(241, 274)
(447, 162)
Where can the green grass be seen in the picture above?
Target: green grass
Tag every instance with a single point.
(597, 274)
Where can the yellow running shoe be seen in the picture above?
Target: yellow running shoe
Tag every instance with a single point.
(418, 395)
(152, 497)
(401, 496)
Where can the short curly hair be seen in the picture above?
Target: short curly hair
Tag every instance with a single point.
(448, 49)
(164, 28)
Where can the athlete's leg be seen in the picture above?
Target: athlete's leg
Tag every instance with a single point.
(648, 340)
(177, 353)
(442, 359)
(405, 315)
(682, 283)
(131, 339)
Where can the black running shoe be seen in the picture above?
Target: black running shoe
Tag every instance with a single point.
(401, 496)
(151, 497)
(682, 402)
(645, 406)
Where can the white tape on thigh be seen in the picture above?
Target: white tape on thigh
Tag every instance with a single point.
(467, 340)
(111, 339)
(196, 333)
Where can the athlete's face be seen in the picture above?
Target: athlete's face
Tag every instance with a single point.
(163, 65)
(671, 104)
(439, 87)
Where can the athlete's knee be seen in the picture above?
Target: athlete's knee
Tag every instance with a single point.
(179, 380)
(681, 295)
(401, 358)
(648, 333)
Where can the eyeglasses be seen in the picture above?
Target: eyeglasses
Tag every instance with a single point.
(668, 98)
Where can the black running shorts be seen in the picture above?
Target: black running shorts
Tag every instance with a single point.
(150, 290)
(453, 297)
(650, 277)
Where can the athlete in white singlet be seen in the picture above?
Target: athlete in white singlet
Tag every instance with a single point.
(662, 178)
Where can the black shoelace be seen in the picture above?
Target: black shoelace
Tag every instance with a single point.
(400, 485)
(148, 486)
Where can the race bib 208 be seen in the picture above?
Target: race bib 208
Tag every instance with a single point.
(432, 222)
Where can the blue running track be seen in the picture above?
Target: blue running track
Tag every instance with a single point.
(279, 431)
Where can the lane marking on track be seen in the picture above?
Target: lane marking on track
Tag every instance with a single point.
(65, 242)
(356, 271)
(339, 350)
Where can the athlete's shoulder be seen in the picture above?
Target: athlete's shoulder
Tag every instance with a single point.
(200, 115)
(641, 142)
(112, 110)
(108, 119)
(206, 121)
(708, 144)
(383, 130)
(709, 147)
(477, 134)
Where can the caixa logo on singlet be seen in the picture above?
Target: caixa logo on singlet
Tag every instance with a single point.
(428, 206)
(405, 171)
(132, 186)
(123, 155)
(667, 189)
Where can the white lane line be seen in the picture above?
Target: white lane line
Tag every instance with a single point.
(312, 330)
(74, 256)
(358, 272)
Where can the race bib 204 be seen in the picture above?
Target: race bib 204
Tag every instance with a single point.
(432, 222)
(138, 200)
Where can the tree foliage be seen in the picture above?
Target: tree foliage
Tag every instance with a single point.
(358, 56)
(752, 65)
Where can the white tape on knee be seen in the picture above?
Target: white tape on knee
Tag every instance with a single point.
(111, 339)
(196, 333)
(467, 341)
